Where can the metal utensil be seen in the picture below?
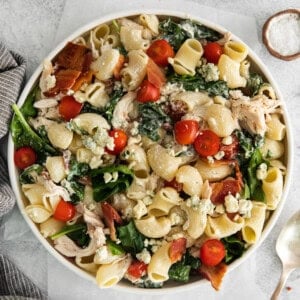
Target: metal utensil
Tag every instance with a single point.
(288, 250)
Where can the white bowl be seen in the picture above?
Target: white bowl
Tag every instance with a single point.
(172, 286)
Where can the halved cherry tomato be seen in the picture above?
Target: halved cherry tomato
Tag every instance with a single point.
(64, 211)
(177, 249)
(186, 131)
(212, 52)
(137, 269)
(148, 92)
(155, 74)
(174, 184)
(69, 108)
(25, 157)
(207, 143)
(160, 51)
(212, 252)
(120, 141)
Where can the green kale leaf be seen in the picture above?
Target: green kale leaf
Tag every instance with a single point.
(131, 239)
(102, 190)
(197, 82)
(29, 174)
(76, 232)
(234, 248)
(152, 118)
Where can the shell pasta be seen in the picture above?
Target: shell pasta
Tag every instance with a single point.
(146, 145)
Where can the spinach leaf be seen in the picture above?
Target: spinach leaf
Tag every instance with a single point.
(24, 135)
(254, 83)
(78, 192)
(114, 99)
(29, 174)
(197, 82)
(176, 33)
(77, 170)
(89, 108)
(152, 118)
(147, 283)
(255, 185)
(131, 239)
(234, 248)
(114, 248)
(180, 271)
(76, 232)
(102, 190)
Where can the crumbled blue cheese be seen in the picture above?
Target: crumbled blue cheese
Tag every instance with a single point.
(176, 219)
(144, 256)
(134, 130)
(188, 28)
(67, 185)
(154, 243)
(209, 71)
(219, 155)
(210, 159)
(110, 177)
(203, 205)
(231, 204)
(220, 209)
(245, 207)
(227, 140)
(261, 171)
(139, 209)
(102, 139)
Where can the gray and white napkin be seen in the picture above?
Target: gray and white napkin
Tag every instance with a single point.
(13, 283)
(12, 73)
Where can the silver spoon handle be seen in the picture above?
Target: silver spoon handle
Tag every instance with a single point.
(284, 276)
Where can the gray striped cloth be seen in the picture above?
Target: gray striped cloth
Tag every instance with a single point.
(13, 283)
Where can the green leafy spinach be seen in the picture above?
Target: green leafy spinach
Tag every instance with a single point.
(131, 239)
(197, 82)
(152, 118)
(29, 174)
(234, 248)
(103, 190)
(254, 83)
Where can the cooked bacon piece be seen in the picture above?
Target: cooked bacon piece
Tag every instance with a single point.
(65, 80)
(74, 57)
(83, 78)
(176, 109)
(118, 67)
(214, 274)
(232, 149)
(177, 249)
(221, 189)
(110, 215)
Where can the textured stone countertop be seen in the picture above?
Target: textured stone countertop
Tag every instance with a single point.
(33, 28)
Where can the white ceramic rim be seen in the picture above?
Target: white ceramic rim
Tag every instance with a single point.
(13, 172)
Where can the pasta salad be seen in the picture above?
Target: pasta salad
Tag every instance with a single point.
(151, 150)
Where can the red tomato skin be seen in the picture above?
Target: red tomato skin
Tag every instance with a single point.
(159, 51)
(69, 108)
(207, 143)
(186, 131)
(137, 269)
(24, 157)
(64, 211)
(212, 52)
(212, 252)
(231, 150)
(120, 141)
(148, 92)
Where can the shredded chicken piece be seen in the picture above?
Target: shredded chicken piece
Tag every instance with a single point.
(47, 80)
(252, 114)
(125, 109)
(68, 248)
(54, 189)
(97, 234)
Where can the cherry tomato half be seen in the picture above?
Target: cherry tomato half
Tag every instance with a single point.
(120, 141)
(160, 51)
(137, 269)
(69, 108)
(207, 143)
(64, 211)
(25, 157)
(148, 92)
(212, 252)
(212, 52)
(186, 131)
